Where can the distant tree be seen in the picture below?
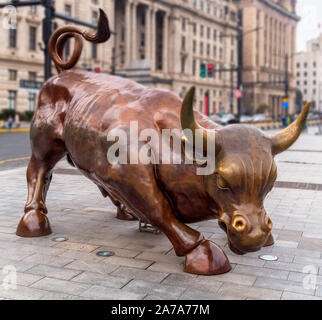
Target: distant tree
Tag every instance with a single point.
(299, 101)
(263, 108)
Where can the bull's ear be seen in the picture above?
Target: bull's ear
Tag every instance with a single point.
(288, 136)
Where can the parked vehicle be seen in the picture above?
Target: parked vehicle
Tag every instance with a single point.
(228, 119)
(216, 118)
(245, 118)
(259, 117)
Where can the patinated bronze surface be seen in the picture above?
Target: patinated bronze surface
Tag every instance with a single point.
(75, 112)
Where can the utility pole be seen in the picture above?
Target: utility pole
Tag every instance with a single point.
(286, 82)
(46, 34)
(240, 60)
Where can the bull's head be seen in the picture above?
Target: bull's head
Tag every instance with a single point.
(245, 173)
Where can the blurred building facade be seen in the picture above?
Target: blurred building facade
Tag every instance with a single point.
(309, 72)
(21, 55)
(172, 44)
(265, 51)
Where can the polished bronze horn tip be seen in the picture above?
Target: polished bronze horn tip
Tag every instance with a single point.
(284, 139)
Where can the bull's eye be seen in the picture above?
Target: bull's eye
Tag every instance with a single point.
(221, 183)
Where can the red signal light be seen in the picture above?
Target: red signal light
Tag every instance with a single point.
(97, 70)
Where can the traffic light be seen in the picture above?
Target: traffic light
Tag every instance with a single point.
(203, 70)
(97, 70)
(210, 70)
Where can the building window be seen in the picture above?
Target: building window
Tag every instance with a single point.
(195, 3)
(314, 64)
(201, 31)
(201, 48)
(68, 10)
(215, 35)
(298, 83)
(183, 24)
(298, 65)
(194, 67)
(32, 75)
(183, 64)
(215, 51)
(298, 74)
(12, 99)
(94, 17)
(32, 38)
(208, 33)
(201, 5)
(305, 64)
(314, 73)
(31, 101)
(305, 91)
(314, 82)
(194, 46)
(215, 11)
(208, 8)
(94, 51)
(183, 43)
(12, 75)
(194, 28)
(305, 82)
(305, 74)
(13, 38)
(33, 9)
(208, 50)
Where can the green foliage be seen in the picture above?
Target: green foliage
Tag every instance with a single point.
(6, 113)
(26, 116)
(262, 108)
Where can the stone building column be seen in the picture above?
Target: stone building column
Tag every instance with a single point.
(148, 33)
(153, 39)
(165, 42)
(134, 38)
(127, 31)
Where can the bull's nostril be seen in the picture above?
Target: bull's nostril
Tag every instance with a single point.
(239, 224)
(268, 223)
(223, 225)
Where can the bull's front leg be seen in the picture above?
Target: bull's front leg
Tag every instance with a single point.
(144, 198)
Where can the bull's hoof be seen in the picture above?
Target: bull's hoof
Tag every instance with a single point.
(123, 214)
(33, 224)
(269, 241)
(207, 259)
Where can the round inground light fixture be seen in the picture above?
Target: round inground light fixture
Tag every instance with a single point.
(59, 239)
(105, 253)
(268, 257)
(67, 209)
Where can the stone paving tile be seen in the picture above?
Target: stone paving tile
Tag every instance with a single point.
(104, 293)
(54, 272)
(311, 244)
(229, 290)
(299, 277)
(128, 262)
(297, 296)
(145, 287)
(21, 293)
(62, 286)
(319, 291)
(54, 261)
(102, 280)
(23, 279)
(261, 272)
(76, 246)
(196, 295)
(167, 267)
(139, 274)
(87, 265)
(282, 285)
(193, 282)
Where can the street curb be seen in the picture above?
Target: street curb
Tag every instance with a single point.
(14, 130)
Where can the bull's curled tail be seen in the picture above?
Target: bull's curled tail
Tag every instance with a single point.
(62, 34)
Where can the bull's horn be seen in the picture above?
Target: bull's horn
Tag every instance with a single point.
(288, 136)
(187, 116)
(188, 120)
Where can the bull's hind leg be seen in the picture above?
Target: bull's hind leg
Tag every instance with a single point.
(46, 153)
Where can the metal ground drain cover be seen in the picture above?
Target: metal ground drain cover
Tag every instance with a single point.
(60, 239)
(268, 257)
(105, 253)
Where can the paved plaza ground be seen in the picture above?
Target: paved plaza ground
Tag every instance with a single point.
(144, 265)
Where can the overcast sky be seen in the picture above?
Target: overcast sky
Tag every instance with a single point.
(310, 12)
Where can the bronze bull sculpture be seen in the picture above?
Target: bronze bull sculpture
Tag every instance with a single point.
(75, 112)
